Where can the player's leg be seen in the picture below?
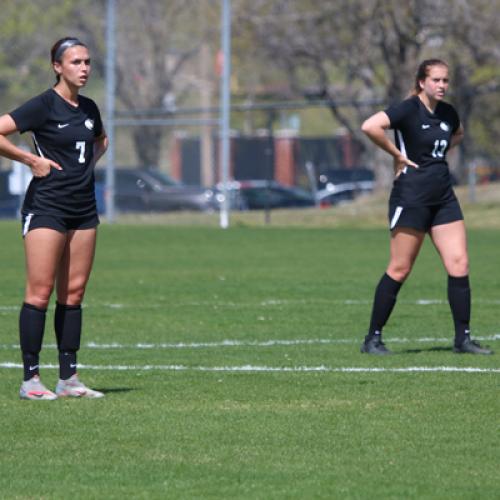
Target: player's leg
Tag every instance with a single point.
(404, 247)
(43, 249)
(72, 278)
(450, 241)
(75, 266)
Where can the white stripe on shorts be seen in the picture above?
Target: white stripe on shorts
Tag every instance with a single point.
(396, 216)
(26, 226)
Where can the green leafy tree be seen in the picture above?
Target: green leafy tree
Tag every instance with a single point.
(157, 43)
(28, 31)
(359, 55)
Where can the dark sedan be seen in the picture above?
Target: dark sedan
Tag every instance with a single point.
(342, 185)
(149, 190)
(262, 194)
(343, 179)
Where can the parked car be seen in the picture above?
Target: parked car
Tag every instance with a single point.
(140, 190)
(340, 185)
(339, 194)
(361, 179)
(262, 194)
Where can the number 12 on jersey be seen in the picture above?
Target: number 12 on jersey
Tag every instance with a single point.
(80, 145)
(439, 148)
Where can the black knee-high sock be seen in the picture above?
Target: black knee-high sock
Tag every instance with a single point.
(383, 303)
(31, 328)
(68, 327)
(459, 297)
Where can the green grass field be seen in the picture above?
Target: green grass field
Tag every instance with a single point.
(231, 366)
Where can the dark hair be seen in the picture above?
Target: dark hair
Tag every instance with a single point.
(58, 49)
(423, 72)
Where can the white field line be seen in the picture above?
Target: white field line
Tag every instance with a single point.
(264, 303)
(284, 302)
(272, 369)
(252, 343)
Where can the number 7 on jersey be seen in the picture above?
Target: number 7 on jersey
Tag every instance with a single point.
(80, 145)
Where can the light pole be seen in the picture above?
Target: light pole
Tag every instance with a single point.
(110, 109)
(225, 104)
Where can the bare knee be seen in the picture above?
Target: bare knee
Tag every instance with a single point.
(72, 294)
(457, 265)
(75, 298)
(399, 271)
(38, 295)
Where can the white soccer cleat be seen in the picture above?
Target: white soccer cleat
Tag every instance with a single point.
(73, 388)
(33, 389)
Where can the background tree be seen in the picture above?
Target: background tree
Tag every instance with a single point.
(471, 40)
(156, 42)
(157, 45)
(25, 39)
(359, 55)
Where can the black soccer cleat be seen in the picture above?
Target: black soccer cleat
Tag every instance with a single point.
(374, 345)
(471, 347)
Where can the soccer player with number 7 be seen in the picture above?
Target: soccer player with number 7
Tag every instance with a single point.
(422, 201)
(59, 215)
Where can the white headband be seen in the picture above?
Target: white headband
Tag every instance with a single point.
(66, 45)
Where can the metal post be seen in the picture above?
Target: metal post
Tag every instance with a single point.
(225, 103)
(206, 90)
(270, 166)
(313, 181)
(110, 109)
(472, 178)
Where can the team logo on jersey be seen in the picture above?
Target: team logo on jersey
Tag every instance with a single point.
(89, 123)
(444, 126)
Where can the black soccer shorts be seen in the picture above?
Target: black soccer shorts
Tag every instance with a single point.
(424, 217)
(61, 224)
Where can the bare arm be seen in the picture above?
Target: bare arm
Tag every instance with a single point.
(375, 128)
(457, 137)
(39, 166)
(100, 146)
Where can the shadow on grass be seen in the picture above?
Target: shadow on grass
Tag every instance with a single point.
(426, 349)
(110, 390)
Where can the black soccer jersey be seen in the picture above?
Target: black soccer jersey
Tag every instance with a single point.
(424, 138)
(66, 135)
